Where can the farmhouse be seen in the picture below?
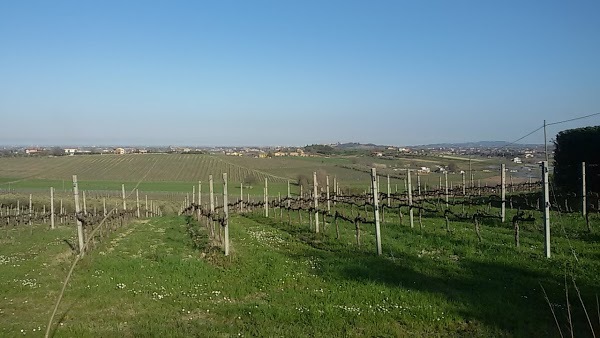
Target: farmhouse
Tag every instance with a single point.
(70, 151)
(119, 151)
(30, 151)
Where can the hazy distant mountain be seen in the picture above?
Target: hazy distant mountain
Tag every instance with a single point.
(478, 144)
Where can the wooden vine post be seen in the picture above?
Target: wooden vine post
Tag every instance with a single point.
(316, 198)
(375, 211)
(77, 210)
(226, 210)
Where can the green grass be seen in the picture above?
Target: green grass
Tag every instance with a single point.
(154, 279)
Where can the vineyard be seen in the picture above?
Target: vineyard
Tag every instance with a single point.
(160, 168)
(176, 172)
(450, 259)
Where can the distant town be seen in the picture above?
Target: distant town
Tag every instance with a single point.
(518, 153)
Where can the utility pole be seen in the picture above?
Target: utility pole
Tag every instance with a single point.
(545, 143)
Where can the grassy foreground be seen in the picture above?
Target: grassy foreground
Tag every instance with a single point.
(153, 278)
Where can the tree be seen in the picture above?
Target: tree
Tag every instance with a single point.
(303, 181)
(319, 149)
(572, 147)
(57, 151)
(452, 167)
(321, 178)
(250, 180)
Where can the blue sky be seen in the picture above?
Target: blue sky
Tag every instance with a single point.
(294, 72)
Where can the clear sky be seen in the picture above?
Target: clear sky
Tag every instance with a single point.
(294, 72)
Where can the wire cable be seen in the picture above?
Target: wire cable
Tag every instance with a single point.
(573, 119)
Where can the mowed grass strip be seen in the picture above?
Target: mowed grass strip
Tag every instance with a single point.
(154, 279)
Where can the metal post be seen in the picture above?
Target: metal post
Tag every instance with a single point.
(266, 190)
(328, 202)
(470, 173)
(137, 203)
(226, 210)
(376, 210)
(241, 196)
(546, 208)
(388, 191)
(316, 197)
(84, 204)
(79, 224)
(410, 199)
(212, 194)
(51, 208)
(30, 209)
(446, 186)
(545, 142)
(288, 194)
(199, 211)
(503, 191)
(583, 191)
(123, 193)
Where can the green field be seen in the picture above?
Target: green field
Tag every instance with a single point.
(151, 278)
(178, 173)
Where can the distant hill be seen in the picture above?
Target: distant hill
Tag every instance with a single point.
(354, 145)
(479, 144)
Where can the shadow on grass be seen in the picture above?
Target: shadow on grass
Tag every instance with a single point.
(73, 248)
(504, 296)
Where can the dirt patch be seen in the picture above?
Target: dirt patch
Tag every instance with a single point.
(62, 257)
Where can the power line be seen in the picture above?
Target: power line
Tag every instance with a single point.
(573, 119)
(519, 139)
(547, 124)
